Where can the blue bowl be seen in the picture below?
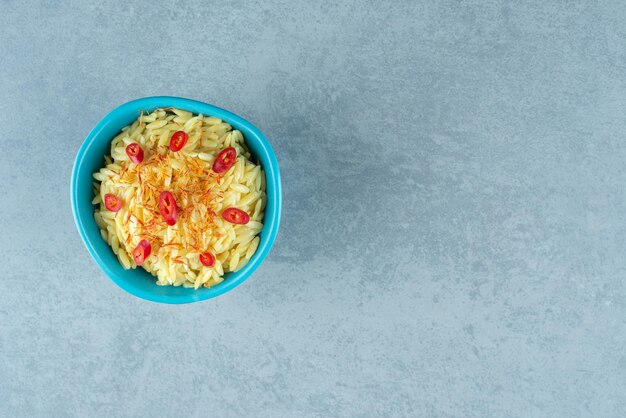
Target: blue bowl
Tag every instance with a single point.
(90, 159)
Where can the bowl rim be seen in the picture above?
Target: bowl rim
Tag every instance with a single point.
(272, 173)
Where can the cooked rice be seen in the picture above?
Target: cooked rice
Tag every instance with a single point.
(200, 193)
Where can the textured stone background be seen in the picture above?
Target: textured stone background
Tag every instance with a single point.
(454, 232)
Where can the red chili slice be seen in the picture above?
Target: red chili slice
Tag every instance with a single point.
(142, 251)
(207, 259)
(225, 159)
(167, 207)
(134, 152)
(112, 202)
(236, 216)
(178, 140)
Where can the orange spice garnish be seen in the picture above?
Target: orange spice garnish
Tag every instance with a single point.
(193, 184)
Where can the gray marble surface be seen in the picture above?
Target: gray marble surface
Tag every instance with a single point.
(454, 232)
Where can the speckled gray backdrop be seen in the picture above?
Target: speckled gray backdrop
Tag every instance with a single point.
(454, 232)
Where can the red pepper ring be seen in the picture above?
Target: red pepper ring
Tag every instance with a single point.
(168, 208)
(224, 160)
(134, 152)
(207, 259)
(142, 251)
(112, 202)
(236, 216)
(178, 140)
